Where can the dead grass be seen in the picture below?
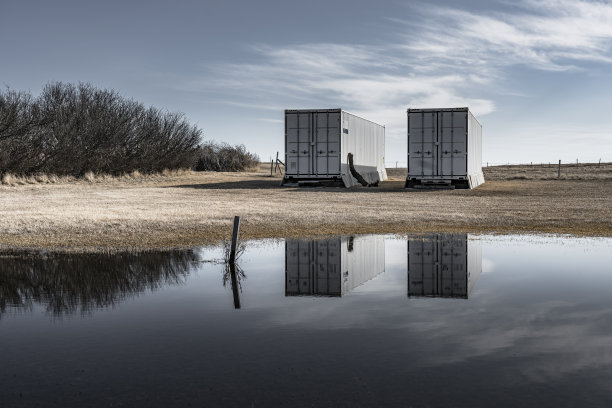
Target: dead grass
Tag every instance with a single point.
(89, 177)
(187, 209)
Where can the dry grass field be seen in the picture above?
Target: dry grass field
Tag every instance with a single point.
(188, 208)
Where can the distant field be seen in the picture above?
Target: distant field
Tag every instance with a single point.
(189, 208)
(587, 171)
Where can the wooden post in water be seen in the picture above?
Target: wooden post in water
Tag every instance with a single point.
(235, 290)
(559, 170)
(232, 262)
(234, 239)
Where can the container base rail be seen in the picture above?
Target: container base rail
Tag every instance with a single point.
(312, 182)
(419, 184)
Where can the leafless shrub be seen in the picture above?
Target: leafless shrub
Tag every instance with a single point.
(224, 157)
(76, 129)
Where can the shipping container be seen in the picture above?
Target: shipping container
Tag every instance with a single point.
(332, 267)
(321, 144)
(444, 148)
(446, 265)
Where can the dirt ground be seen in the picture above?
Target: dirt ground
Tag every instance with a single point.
(191, 208)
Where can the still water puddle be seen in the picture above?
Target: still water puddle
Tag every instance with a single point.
(439, 320)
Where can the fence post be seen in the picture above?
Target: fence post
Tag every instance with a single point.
(559, 170)
(235, 239)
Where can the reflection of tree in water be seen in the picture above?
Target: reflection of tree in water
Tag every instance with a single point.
(232, 272)
(227, 267)
(67, 283)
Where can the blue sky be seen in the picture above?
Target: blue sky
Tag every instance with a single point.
(537, 74)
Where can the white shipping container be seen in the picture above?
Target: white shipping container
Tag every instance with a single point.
(318, 143)
(444, 148)
(446, 265)
(332, 267)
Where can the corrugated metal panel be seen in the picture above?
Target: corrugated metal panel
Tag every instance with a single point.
(446, 265)
(318, 142)
(366, 141)
(363, 259)
(332, 267)
(444, 147)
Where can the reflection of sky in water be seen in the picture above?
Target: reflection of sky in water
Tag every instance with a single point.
(536, 330)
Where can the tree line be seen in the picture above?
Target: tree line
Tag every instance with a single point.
(73, 129)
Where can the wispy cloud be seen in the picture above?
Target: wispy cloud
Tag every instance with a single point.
(443, 57)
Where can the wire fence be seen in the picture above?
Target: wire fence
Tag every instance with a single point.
(404, 164)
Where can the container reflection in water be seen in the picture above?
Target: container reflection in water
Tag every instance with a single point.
(332, 267)
(446, 265)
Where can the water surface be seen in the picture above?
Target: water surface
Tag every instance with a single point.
(439, 320)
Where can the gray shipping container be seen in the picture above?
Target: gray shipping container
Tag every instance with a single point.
(444, 148)
(332, 267)
(446, 265)
(318, 143)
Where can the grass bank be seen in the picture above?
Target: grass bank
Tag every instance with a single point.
(192, 208)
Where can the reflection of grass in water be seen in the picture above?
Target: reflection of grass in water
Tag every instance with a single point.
(67, 283)
(227, 272)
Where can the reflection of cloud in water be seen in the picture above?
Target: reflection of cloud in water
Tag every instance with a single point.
(69, 283)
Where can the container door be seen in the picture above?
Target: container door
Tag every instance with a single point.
(423, 129)
(453, 269)
(327, 274)
(298, 268)
(452, 134)
(438, 266)
(298, 133)
(327, 143)
(422, 268)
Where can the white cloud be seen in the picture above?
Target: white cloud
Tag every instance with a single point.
(445, 57)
